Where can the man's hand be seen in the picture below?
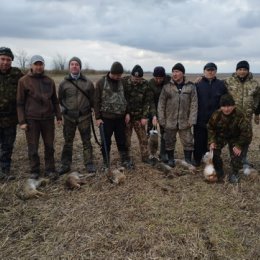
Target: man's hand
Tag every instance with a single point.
(99, 122)
(127, 118)
(143, 121)
(256, 119)
(59, 122)
(212, 146)
(24, 127)
(237, 151)
(154, 121)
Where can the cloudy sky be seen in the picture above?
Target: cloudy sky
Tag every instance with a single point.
(145, 32)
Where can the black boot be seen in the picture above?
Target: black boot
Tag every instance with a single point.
(171, 161)
(163, 153)
(125, 160)
(187, 156)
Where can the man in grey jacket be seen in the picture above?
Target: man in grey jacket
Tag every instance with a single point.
(76, 94)
(177, 113)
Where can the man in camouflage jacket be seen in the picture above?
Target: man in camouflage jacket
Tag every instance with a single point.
(229, 126)
(139, 103)
(177, 113)
(110, 112)
(9, 77)
(246, 93)
(156, 84)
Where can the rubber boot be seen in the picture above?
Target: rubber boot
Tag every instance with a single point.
(125, 160)
(171, 161)
(163, 153)
(187, 156)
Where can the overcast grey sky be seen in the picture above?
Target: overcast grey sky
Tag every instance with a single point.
(144, 32)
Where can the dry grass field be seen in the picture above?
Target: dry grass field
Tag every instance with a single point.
(150, 216)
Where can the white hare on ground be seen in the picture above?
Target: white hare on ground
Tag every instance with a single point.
(209, 171)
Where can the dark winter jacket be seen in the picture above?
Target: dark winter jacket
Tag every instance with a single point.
(37, 98)
(209, 93)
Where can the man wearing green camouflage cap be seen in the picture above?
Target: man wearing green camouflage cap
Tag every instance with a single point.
(9, 77)
(229, 126)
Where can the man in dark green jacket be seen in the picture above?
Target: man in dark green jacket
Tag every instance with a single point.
(9, 77)
(229, 126)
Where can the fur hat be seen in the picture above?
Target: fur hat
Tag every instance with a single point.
(116, 68)
(77, 60)
(243, 64)
(7, 52)
(210, 65)
(36, 58)
(137, 71)
(227, 100)
(179, 66)
(159, 72)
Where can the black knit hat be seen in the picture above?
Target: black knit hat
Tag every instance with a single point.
(116, 68)
(243, 64)
(211, 66)
(137, 71)
(159, 71)
(179, 66)
(226, 100)
(77, 60)
(6, 51)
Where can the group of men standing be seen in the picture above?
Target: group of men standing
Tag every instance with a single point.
(122, 104)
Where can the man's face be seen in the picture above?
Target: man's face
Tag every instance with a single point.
(158, 80)
(74, 67)
(136, 80)
(210, 73)
(227, 110)
(242, 72)
(115, 76)
(37, 67)
(177, 76)
(5, 63)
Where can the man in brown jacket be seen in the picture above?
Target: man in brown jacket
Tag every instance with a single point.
(177, 113)
(37, 104)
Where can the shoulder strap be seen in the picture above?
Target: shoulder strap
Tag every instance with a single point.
(79, 88)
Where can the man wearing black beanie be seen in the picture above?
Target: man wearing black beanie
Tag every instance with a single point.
(177, 113)
(139, 103)
(110, 111)
(246, 92)
(156, 84)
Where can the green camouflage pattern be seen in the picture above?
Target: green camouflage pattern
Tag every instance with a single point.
(246, 94)
(113, 101)
(8, 90)
(141, 135)
(139, 98)
(233, 129)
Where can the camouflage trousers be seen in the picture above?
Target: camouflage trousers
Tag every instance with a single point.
(185, 135)
(236, 162)
(7, 139)
(142, 137)
(45, 128)
(69, 130)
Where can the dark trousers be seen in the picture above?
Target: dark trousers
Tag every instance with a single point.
(45, 129)
(69, 130)
(235, 161)
(7, 139)
(117, 127)
(200, 143)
